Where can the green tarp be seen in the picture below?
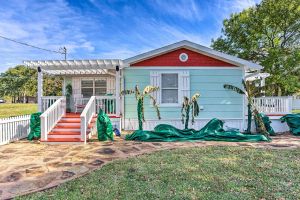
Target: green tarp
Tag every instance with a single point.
(35, 126)
(104, 127)
(293, 121)
(267, 122)
(212, 131)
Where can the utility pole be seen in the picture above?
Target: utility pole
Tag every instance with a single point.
(64, 51)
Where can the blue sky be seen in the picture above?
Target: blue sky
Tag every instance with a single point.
(107, 29)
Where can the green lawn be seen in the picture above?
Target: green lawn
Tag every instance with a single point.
(195, 173)
(9, 110)
(296, 111)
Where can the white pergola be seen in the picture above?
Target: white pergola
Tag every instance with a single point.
(71, 67)
(76, 67)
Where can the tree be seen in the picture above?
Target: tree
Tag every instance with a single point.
(20, 82)
(140, 101)
(187, 106)
(250, 92)
(269, 34)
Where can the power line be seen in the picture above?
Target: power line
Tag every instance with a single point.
(64, 49)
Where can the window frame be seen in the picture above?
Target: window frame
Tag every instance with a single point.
(94, 85)
(178, 90)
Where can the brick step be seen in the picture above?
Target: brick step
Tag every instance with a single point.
(70, 120)
(63, 140)
(63, 126)
(66, 130)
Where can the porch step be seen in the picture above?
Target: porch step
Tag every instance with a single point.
(63, 141)
(68, 130)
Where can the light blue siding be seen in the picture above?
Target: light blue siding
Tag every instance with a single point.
(216, 101)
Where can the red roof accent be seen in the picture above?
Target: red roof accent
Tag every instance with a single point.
(172, 59)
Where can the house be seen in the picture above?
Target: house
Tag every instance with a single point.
(179, 70)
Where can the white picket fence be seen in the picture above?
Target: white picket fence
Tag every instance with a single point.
(274, 105)
(14, 128)
(296, 103)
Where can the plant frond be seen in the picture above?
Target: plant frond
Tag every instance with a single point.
(125, 92)
(154, 103)
(137, 92)
(233, 88)
(195, 97)
(149, 89)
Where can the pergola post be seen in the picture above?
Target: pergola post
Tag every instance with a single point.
(118, 84)
(40, 89)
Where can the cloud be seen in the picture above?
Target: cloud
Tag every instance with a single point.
(186, 9)
(50, 25)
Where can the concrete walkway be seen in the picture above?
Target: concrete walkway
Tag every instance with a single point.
(27, 167)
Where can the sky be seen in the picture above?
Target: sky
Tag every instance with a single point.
(103, 29)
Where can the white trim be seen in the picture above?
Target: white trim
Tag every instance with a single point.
(186, 57)
(194, 47)
(40, 91)
(179, 68)
(132, 124)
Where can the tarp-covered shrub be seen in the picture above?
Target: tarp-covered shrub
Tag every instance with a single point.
(104, 127)
(293, 121)
(35, 126)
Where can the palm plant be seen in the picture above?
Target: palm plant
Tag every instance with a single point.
(140, 96)
(250, 93)
(188, 105)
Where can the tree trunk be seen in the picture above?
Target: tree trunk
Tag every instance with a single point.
(249, 118)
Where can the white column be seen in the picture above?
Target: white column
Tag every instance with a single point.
(40, 89)
(118, 99)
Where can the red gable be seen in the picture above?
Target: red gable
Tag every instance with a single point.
(172, 59)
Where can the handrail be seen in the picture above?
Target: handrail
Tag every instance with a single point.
(47, 101)
(108, 104)
(51, 116)
(86, 116)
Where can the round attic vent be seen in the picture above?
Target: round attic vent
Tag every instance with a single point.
(183, 57)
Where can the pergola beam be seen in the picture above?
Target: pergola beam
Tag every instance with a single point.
(65, 67)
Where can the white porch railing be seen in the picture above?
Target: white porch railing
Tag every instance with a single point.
(86, 116)
(14, 128)
(274, 105)
(108, 104)
(47, 101)
(51, 116)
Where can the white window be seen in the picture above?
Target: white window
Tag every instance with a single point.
(93, 87)
(169, 88)
(173, 86)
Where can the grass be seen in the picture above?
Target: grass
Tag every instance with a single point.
(9, 110)
(296, 111)
(194, 173)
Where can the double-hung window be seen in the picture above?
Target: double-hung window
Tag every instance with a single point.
(169, 88)
(93, 87)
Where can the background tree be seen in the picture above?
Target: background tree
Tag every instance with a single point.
(140, 97)
(269, 34)
(250, 92)
(187, 106)
(20, 82)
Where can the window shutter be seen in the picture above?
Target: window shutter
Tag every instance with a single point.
(184, 85)
(155, 81)
(76, 85)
